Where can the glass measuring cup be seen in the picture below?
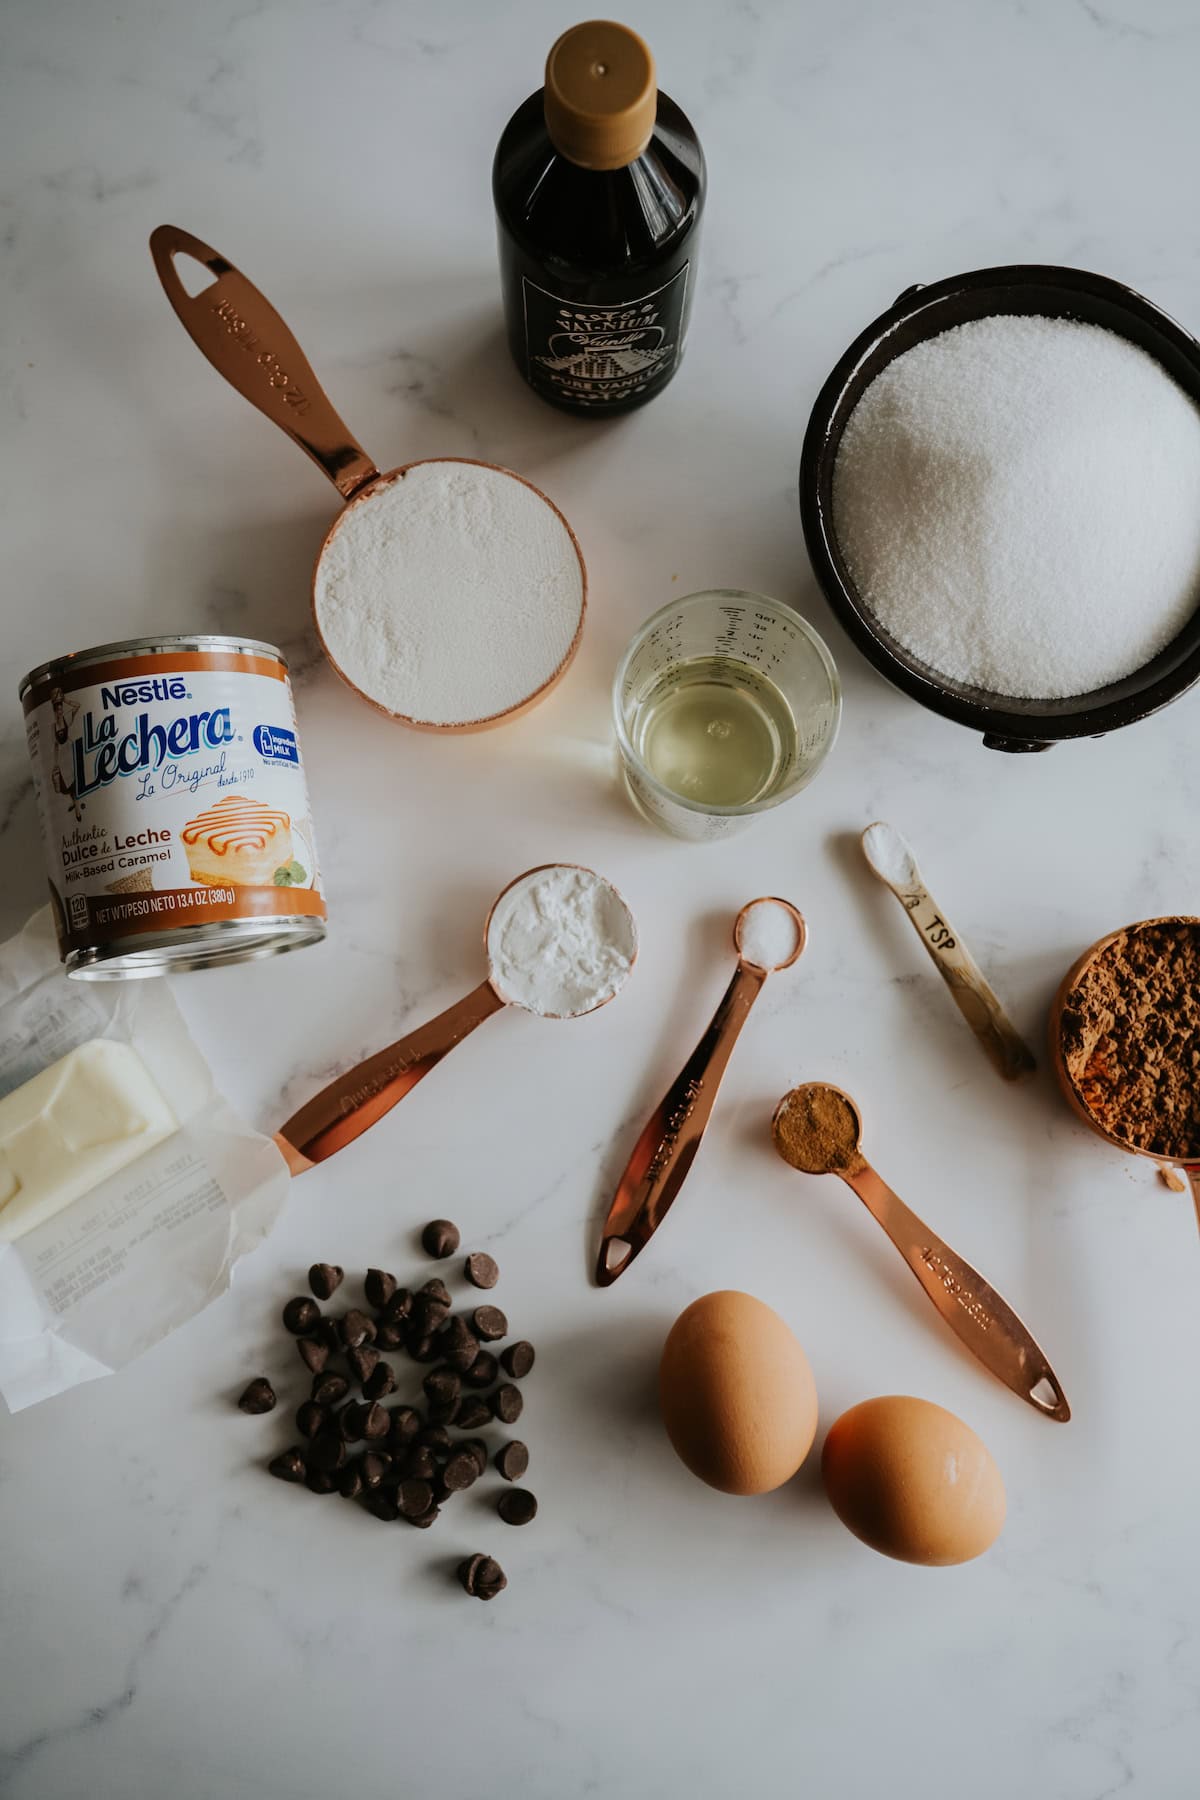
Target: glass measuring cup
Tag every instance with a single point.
(726, 703)
(352, 1102)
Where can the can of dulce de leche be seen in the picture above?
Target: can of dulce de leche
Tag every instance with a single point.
(173, 805)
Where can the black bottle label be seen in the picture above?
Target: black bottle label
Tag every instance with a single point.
(590, 355)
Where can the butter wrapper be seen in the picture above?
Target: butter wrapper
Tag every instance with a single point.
(86, 1288)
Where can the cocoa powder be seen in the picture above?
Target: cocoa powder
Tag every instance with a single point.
(1131, 1038)
(816, 1129)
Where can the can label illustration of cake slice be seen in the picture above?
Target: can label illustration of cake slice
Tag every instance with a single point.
(174, 805)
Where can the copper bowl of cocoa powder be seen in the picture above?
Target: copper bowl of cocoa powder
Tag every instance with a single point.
(1125, 1038)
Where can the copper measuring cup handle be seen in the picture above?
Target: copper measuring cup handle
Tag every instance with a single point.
(354, 1101)
(971, 1307)
(247, 342)
(667, 1147)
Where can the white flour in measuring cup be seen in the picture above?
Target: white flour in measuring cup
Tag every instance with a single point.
(450, 593)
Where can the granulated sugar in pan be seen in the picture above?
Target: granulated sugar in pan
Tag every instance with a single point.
(1018, 503)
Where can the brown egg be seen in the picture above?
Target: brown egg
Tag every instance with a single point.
(737, 1395)
(913, 1481)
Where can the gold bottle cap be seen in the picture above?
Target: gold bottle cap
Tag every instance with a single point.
(601, 96)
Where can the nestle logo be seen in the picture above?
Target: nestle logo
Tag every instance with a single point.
(140, 693)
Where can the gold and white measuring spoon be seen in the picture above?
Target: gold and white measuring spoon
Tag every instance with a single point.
(353, 1102)
(667, 1147)
(818, 1129)
(890, 857)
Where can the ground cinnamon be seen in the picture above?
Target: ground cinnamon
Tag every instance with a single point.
(817, 1129)
(1131, 1038)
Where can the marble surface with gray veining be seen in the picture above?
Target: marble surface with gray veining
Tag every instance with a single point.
(175, 1623)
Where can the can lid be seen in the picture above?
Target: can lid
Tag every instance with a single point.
(601, 96)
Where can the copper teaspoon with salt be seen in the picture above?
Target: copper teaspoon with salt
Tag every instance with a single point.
(890, 858)
(769, 935)
(818, 1130)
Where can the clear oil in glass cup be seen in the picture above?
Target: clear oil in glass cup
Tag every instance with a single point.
(726, 703)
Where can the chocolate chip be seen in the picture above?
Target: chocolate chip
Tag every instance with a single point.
(481, 1270)
(461, 1471)
(387, 1335)
(426, 1519)
(350, 1481)
(379, 1287)
(403, 1425)
(437, 1290)
(512, 1460)
(311, 1418)
(356, 1329)
(489, 1323)
(423, 1349)
(289, 1466)
(472, 1413)
(479, 1451)
(313, 1354)
(320, 1481)
(301, 1315)
(327, 1450)
(353, 1420)
(507, 1403)
(362, 1361)
(482, 1577)
(459, 1345)
(324, 1279)
(440, 1238)
(376, 1423)
(381, 1381)
(381, 1504)
(517, 1507)
(399, 1306)
(437, 1439)
(258, 1396)
(443, 1390)
(329, 1333)
(330, 1389)
(428, 1315)
(483, 1371)
(375, 1465)
(419, 1464)
(518, 1359)
(414, 1498)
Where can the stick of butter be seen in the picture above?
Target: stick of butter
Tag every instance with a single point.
(78, 1122)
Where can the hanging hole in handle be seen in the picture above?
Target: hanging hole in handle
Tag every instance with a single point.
(1044, 1394)
(194, 277)
(617, 1253)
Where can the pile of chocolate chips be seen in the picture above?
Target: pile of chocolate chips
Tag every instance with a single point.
(403, 1461)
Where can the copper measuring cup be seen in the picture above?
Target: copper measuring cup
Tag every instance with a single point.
(972, 1308)
(667, 1147)
(1059, 1062)
(352, 1102)
(247, 342)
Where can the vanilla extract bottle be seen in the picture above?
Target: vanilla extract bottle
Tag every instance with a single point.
(598, 185)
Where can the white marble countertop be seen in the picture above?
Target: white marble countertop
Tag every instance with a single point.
(174, 1622)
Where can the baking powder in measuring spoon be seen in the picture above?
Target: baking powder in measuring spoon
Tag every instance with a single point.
(561, 941)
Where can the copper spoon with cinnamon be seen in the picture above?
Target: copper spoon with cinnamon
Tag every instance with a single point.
(818, 1129)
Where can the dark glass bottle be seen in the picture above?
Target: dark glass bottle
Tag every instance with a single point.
(598, 184)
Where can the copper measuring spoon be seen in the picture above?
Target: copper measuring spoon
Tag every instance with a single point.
(247, 342)
(891, 861)
(352, 1102)
(667, 1147)
(971, 1307)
